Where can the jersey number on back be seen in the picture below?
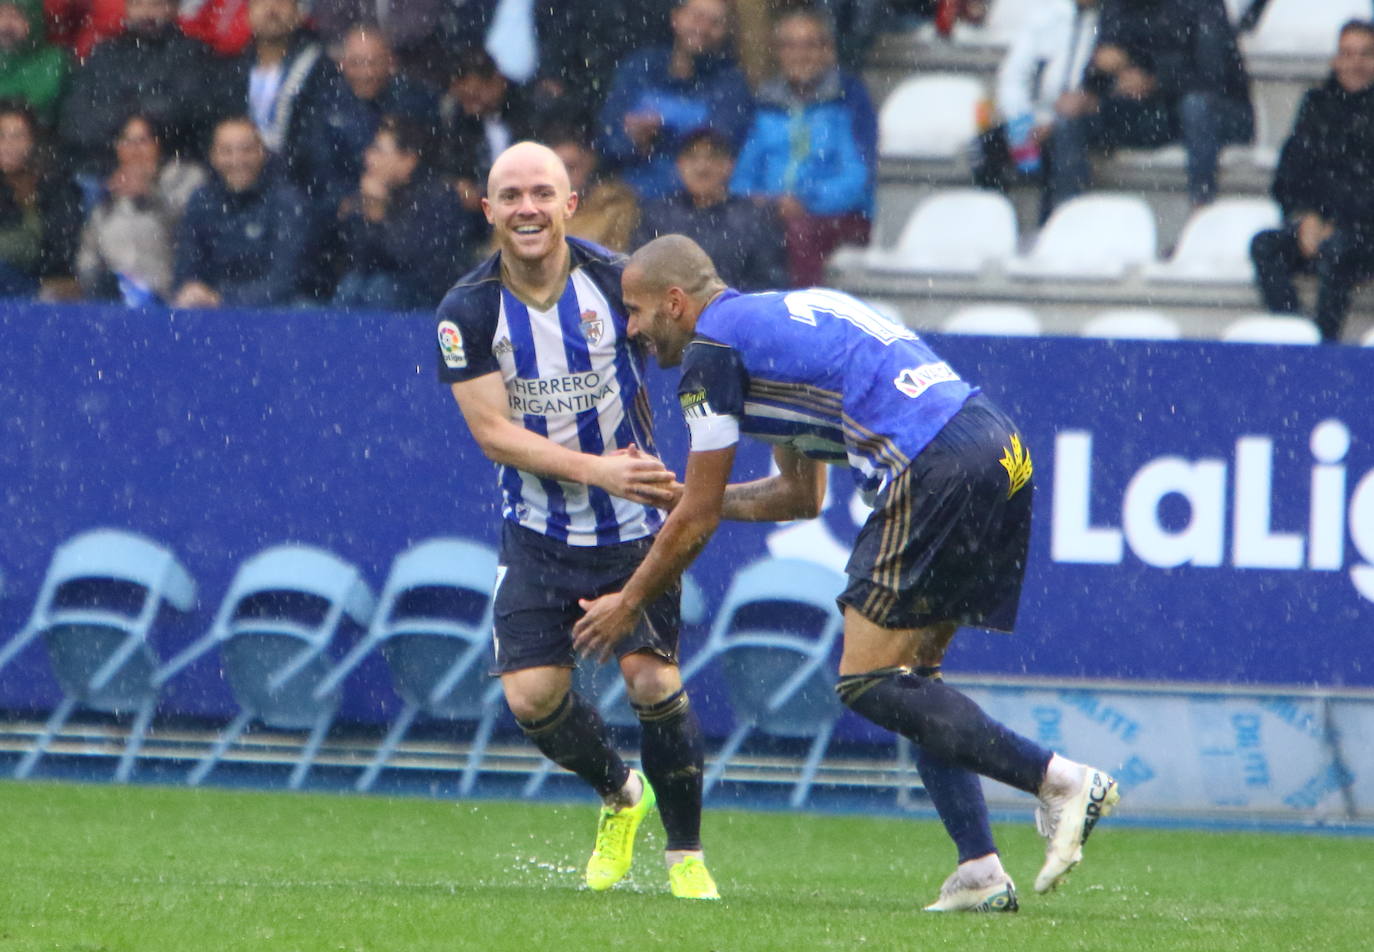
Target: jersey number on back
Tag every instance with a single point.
(803, 306)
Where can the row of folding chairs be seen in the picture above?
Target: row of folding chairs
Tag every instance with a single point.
(1100, 236)
(105, 589)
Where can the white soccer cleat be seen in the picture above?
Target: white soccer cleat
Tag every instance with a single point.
(958, 896)
(1066, 820)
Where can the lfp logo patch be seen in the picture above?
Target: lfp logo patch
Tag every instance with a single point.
(451, 346)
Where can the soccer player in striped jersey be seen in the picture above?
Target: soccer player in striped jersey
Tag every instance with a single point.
(827, 380)
(535, 346)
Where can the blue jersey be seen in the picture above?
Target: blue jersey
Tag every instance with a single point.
(820, 372)
(571, 374)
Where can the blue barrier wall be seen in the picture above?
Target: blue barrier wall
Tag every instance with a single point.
(1205, 512)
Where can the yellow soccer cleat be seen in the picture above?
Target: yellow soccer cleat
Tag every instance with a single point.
(615, 840)
(690, 879)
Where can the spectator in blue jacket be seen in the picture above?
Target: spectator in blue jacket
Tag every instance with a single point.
(405, 235)
(662, 93)
(336, 135)
(242, 240)
(812, 149)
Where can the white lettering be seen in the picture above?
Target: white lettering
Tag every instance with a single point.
(1326, 520)
(1362, 533)
(1072, 539)
(1253, 544)
(1203, 484)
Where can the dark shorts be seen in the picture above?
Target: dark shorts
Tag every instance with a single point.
(538, 584)
(949, 536)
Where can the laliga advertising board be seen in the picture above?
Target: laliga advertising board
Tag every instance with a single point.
(1204, 511)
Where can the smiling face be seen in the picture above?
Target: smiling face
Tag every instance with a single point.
(529, 201)
(16, 143)
(654, 316)
(237, 154)
(805, 50)
(137, 144)
(700, 26)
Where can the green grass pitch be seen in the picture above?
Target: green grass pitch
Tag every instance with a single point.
(139, 869)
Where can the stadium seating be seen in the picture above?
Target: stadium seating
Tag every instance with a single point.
(930, 116)
(777, 669)
(1368, 339)
(1215, 245)
(95, 612)
(273, 632)
(956, 231)
(1271, 329)
(1132, 324)
(1007, 320)
(433, 624)
(1100, 236)
(1303, 27)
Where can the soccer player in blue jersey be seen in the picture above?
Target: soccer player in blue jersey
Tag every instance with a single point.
(825, 379)
(534, 343)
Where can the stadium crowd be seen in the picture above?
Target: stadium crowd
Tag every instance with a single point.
(286, 153)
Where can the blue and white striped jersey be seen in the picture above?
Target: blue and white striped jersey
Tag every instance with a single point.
(821, 372)
(572, 374)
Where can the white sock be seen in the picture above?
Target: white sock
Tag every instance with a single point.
(626, 796)
(1061, 776)
(983, 871)
(672, 857)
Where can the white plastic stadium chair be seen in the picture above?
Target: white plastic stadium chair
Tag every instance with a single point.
(95, 612)
(1132, 324)
(1214, 247)
(1272, 329)
(274, 630)
(777, 666)
(932, 116)
(1303, 27)
(1095, 237)
(1368, 339)
(433, 624)
(957, 231)
(1004, 320)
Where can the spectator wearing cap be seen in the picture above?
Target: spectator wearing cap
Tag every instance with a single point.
(743, 237)
(812, 147)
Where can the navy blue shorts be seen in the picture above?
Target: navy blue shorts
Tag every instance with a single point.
(538, 584)
(949, 537)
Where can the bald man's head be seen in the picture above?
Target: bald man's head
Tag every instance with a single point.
(529, 201)
(666, 285)
(676, 261)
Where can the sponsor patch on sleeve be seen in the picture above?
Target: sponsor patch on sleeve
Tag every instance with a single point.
(451, 346)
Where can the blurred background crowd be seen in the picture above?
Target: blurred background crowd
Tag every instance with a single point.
(288, 153)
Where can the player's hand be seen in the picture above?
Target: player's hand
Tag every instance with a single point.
(608, 620)
(632, 474)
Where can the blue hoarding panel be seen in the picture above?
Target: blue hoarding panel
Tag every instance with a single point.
(1204, 511)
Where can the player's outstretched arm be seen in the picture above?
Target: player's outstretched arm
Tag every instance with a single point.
(796, 492)
(688, 528)
(636, 476)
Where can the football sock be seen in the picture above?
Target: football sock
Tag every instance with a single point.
(574, 737)
(945, 724)
(957, 795)
(672, 750)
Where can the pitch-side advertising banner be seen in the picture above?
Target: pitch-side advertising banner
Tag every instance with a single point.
(1204, 511)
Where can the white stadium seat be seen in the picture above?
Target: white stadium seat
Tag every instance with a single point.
(1095, 237)
(933, 116)
(1214, 247)
(1132, 324)
(1368, 339)
(957, 231)
(1303, 27)
(1272, 329)
(1005, 320)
